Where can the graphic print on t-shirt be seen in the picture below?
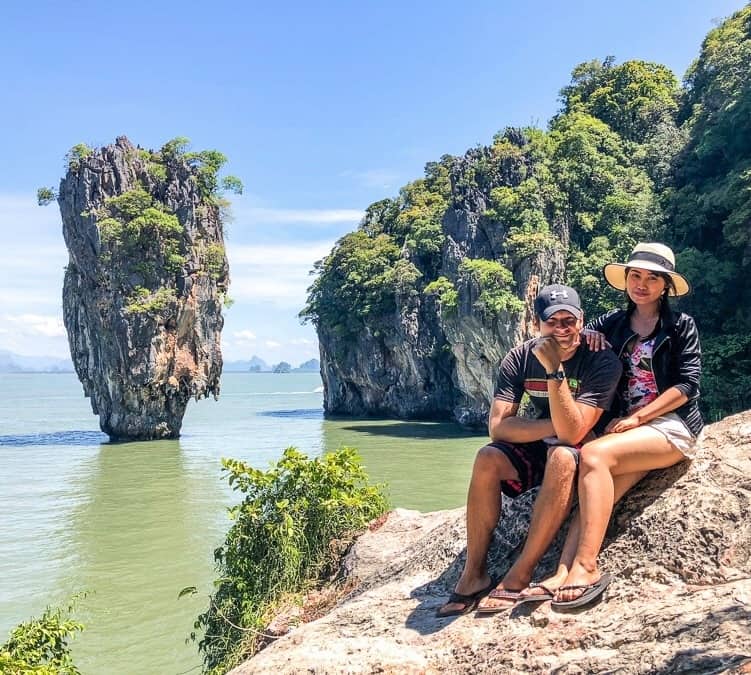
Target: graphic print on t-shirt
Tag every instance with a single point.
(637, 368)
(539, 388)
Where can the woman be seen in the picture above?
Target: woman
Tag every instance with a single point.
(660, 422)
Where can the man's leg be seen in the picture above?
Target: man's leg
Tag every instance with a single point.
(551, 507)
(483, 511)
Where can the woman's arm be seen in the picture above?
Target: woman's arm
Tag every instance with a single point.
(689, 357)
(666, 402)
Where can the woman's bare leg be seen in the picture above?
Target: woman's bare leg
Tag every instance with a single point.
(622, 484)
(636, 450)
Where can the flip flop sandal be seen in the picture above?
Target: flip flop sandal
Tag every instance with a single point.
(549, 594)
(500, 594)
(469, 600)
(590, 593)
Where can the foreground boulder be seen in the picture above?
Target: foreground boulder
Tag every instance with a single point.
(144, 287)
(679, 548)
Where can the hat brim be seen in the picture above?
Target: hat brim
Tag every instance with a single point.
(549, 311)
(614, 274)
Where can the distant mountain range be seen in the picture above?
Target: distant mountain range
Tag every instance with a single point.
(258, 365)
(16, 363)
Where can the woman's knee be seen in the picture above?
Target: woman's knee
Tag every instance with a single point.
(595, 455)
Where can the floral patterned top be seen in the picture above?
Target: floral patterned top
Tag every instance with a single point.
(637, 370)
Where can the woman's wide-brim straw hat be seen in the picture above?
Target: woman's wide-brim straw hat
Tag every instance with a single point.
(653, 257)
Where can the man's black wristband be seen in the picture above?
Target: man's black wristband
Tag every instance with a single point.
(557, 375)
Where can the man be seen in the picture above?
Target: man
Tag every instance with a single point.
(569, 387)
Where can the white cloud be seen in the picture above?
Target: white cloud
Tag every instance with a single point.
(270, 216)
(244, 336)
(374, 178)
(35, 324)
(279, 274)
(276, 255)
(301, 341)
(273, 345)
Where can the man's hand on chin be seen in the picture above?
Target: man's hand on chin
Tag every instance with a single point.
(547, 351)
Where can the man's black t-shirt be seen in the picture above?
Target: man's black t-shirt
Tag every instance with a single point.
(592, 377)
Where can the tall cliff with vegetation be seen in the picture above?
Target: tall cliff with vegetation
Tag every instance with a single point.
(146, 281)
(416, 308)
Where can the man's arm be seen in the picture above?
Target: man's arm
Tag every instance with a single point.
(571, 420)
(504, 425)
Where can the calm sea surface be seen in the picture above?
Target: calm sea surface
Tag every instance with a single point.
(133, 523)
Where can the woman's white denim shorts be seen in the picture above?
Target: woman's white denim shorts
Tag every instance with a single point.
(672, 427)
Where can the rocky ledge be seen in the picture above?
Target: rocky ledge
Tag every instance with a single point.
(679, 548)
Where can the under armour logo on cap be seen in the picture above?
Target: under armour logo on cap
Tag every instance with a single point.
(555, 298)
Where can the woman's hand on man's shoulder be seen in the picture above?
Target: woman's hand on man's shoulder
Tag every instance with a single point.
(595, 340)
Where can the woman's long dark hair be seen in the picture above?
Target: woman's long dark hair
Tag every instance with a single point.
(666, 312)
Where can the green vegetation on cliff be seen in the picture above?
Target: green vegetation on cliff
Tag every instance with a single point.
(142, 244)
(289, 532)
(631, 156)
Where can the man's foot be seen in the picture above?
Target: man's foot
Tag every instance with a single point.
(545, 589)
(465, 597)
(498, 600)
(506, 593)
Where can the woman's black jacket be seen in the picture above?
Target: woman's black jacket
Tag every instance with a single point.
(676, 359)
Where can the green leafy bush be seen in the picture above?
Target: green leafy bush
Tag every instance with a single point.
(46, 195)
(214, 259)
(281, 543)
(76, 154)
(494, 281)
(40, 646)
(232, 184)
(144, 301)
(355, 283)
(446, 292)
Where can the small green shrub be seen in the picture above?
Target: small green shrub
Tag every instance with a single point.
(46, 195)
(40, 646)
(446, 292)
(130, 204)
(144, 301)
(214, 260)
(76, 154)
(157, 171)
(110, 231)
(494, 281)
(232, 184)
(174, 148)
(281, 543)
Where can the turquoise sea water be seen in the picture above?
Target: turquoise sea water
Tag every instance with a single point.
(133, 523)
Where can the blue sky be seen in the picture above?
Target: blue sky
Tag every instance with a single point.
(322, 108)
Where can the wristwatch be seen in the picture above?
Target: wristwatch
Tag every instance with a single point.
(557, 375)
